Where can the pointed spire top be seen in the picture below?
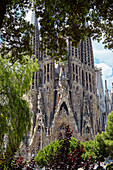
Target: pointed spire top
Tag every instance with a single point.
(112, 87)
(40, 99)
(34, 20)
(106, 84)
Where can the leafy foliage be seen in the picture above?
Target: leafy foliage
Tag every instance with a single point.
(6, 159)
(109, 167)
(102, 146)
(89, 147)
(11, 162)
(46, 154)
(109, 129)
(108, 134)
(101, 149)
(58, 154)
(15, 115)
(73, 20)
(31, 165)
(15, 30)
(17, 163)
(98, 148)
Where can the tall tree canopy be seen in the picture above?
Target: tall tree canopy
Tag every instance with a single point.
(74, 20)
(59, 20)
(108, 134)
(15, 30)
(101, 149)
(15, 115)
(109, 129)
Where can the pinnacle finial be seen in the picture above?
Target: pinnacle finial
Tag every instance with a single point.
(34, 20)
(112, 87)
(106, 84)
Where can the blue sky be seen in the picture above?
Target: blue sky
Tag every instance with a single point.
(103, 58)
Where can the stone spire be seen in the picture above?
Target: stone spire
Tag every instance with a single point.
(34, 20)
(35, 38)
(112, 96)
(40, 101)
(106, 91)
(105, 84)
(106, 97)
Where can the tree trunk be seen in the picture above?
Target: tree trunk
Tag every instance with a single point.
(99, 163)
(3, 4)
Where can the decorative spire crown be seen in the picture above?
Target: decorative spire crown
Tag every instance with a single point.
(34, 20)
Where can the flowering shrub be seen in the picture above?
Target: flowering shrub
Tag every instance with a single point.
(66, 160)
(18, 163)
(7, 158)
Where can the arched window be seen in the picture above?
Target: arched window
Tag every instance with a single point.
(51, 70)
(40, 78)
(33, 81)
(64, 108)
(87, 130)
(83, 83)
(82, 51)
(86, 82)
(62, 127)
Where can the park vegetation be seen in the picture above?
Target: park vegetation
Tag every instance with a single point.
(58, 155)
(59, 21)
(15, 114)
(69, 152)
(72, 20)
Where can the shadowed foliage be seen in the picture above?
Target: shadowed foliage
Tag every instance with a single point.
(73, 20)
(15, 114)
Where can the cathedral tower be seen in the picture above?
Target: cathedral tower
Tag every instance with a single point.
(63, 94)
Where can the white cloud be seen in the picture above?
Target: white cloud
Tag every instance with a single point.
(103, 55)
(28, 15)
(104, 59)
(107, 74)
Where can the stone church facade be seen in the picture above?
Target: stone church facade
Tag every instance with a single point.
(61, 94)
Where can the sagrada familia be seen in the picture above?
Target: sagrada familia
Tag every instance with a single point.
(62, 94)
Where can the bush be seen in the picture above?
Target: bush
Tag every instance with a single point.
(62, 157)
(109, 167)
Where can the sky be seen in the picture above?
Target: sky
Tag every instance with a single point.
(103, 58)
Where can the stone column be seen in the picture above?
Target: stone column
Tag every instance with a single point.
(80, 75)
(112, 96)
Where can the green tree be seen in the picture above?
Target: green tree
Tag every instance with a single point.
(109, 129)
(66, 153)
(15, 30)
(101, 149)
(75, 20)
(73, 144)
(97, 148)
(59, 21)
(89, 147)
(109, 167)
(108, 134)
(15, 115)
(45, 155)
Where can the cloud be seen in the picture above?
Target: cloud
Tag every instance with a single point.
(103, 58)
(28, 15)
(107, 74)
(101, 54)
